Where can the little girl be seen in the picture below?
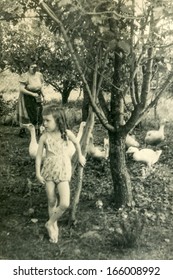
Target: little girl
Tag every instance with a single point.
(56, 170)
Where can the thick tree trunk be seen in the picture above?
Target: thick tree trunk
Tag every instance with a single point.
(65, 95)
(120, 175)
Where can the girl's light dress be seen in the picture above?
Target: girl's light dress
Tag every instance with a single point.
(57, 166)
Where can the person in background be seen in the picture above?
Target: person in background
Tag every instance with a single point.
(56, 169)
(29, 107)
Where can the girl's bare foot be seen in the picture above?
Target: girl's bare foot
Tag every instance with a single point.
(52, 232)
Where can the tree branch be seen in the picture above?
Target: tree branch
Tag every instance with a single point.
(138, 114)
(116, 15)
(99, 93)
(147, 78)
(100, 116)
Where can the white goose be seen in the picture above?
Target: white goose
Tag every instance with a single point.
(154, 137)
(94, 151)
(98, 152)
(148, 156)
(131, 141)
(33, 145)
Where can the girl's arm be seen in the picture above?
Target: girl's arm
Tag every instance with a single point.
(76, 143)
(38, 160)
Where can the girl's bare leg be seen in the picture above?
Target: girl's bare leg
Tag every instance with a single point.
(64, 195)
(52, 203)
(51, 211)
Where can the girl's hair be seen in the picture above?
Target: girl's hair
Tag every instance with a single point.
(59, 116)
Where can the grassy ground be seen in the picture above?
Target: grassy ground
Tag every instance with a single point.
(99, 233)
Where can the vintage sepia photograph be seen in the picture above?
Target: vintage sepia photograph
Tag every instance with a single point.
(86, 131)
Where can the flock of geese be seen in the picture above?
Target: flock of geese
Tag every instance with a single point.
(93, 150)
(152, 138)
(145, 155)
(148, 155)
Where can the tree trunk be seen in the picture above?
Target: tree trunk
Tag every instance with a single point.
(120, 175)
(84, 147)
(85, 105)
(65, 95)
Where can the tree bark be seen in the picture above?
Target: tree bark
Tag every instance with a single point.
(85, 106)
(67, 88)
(120, 176)
(84, 147)
(65, 96)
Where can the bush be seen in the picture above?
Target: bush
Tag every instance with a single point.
(7, 112)
(128, 225)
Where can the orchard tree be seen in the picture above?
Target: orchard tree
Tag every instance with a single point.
(123, 36)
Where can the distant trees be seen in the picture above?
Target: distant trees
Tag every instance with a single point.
(25, 38)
